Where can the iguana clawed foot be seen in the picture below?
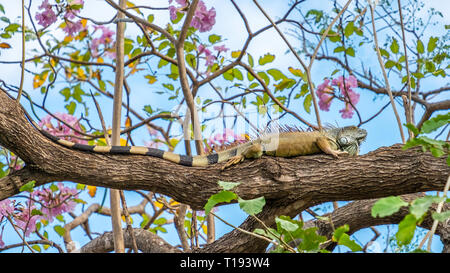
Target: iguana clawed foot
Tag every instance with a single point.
(234, 160)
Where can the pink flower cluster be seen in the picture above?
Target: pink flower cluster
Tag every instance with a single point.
(53, 202)
(225, 138)
(63, 130)
(57, 202)
(48, 16)
(25, 220)
(106, 40)
(203, 19)
(209, 57)
(6, 210)
(325, 92)
(73, 27)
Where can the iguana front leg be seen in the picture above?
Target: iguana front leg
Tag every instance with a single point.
(324, 145)
(254, 151)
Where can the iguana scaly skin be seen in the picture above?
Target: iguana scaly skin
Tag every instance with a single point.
(334, 141)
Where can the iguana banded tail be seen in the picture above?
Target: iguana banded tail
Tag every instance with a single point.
(334, 141)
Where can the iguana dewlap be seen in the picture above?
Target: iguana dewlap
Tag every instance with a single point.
(335, 142)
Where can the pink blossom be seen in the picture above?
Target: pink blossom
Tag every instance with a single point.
(208, 55)
(73, 27)
(48, 16)
(173, 12)
(6, 207)
(325, 93)
(347, 112)
(351, 98)
(221, 48)
(62, 129)
(106, 39)
(25, 221)
(204, 19)
(227, 137)
(56, 202)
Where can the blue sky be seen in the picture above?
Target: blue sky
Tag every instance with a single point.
(382, 132)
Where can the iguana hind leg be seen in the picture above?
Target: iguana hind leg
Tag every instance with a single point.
(254, 151)
(325, 146)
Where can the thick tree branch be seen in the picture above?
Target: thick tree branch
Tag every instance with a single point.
(147, 242)
(386, 171)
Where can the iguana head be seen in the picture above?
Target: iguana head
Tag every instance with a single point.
(349, 139)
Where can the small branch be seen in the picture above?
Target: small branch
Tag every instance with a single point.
(22, 73)
(408, 106)
(307, 70)
(388, 88)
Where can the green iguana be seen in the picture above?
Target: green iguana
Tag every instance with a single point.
(332, 141)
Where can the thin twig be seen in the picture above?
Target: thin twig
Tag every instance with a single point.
(388, 87)
(408, 107)
(22, 74)
(308, 74)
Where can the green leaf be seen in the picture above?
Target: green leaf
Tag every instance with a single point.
(264, 77)
(351, 244)
(442, 216)
(28, 186)
(228, 75)
(213, 38)
(286, 224)
(145, 220)
(273, 234)
(60, 230)
(350, 51)
(349, 29)
(342, 238)
(12, 27)
(307, 103)
(389, 64)
(150, 18)
(285, 83)
(160, 221)
(420, 206)
(66, 93)
(2, 9)
(311, 240)
(162, 63)
(387, 206)
(276, 74)
(250, 60)
(191, 60)
(420, 47)
(253, 206)
(221, 197)
(406, 229)
(384, 53)
(429, 66)
(36, 247)
(412, 128)
(432, 43)
(267, 58)
(339, 49)
(228, 185)
(435, 122)
(394, 46)
(238, 74)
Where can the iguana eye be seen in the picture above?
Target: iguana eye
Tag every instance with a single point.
(343, 141)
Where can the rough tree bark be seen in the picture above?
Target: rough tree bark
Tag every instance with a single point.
(289, 185)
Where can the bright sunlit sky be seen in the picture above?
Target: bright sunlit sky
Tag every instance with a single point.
(382, 132)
